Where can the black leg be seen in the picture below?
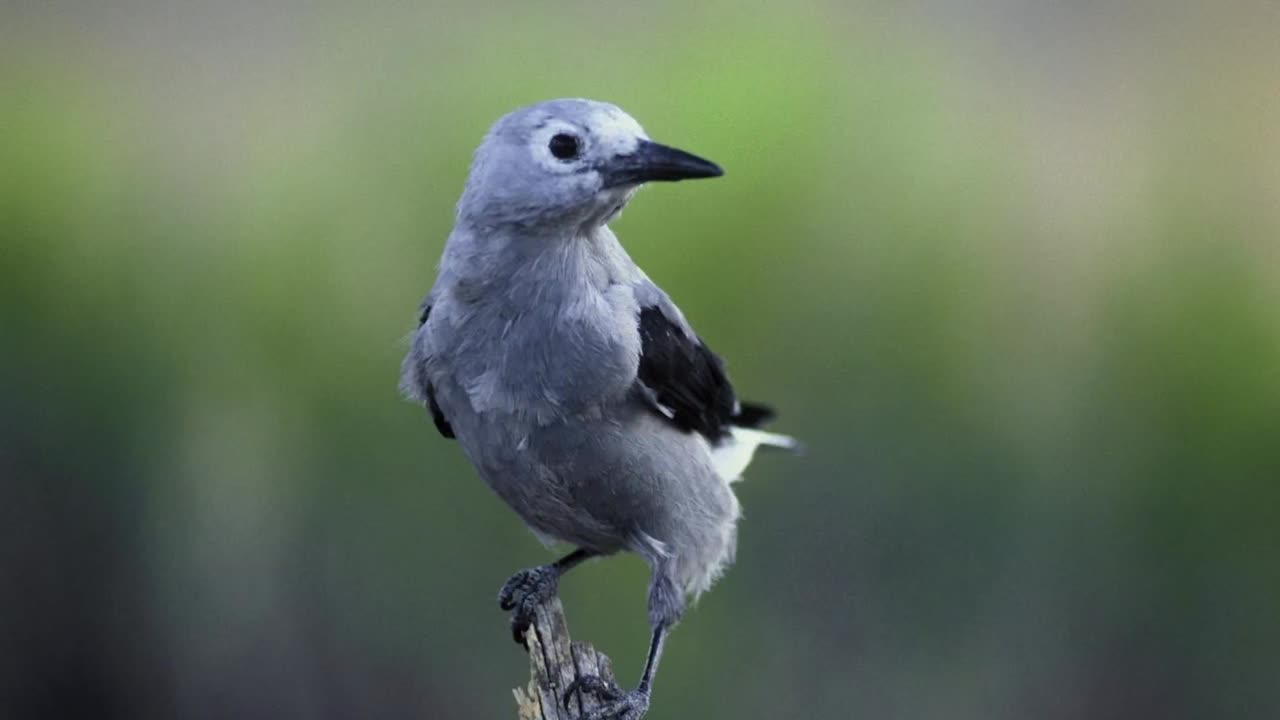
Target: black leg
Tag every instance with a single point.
(655, 655)
(572, 560)
(666, 604)
(527, 589)
(622, 705)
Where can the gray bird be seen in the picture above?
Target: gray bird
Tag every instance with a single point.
(571, 381)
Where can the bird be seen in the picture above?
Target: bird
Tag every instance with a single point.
(571, 381)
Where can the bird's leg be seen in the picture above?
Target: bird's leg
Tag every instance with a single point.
(655, 655)
(622, 704)
(666, 604)
(529, 588)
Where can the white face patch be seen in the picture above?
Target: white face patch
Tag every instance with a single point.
(616, 132)
(571, 143)
(608, 132)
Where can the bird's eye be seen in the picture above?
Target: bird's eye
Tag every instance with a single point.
(564, 147)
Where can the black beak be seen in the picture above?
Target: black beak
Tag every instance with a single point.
(651, 161)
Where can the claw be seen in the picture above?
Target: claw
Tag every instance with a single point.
(515, 583)
(522, 618)
(523, 593)
(593, 684)
(632, 705)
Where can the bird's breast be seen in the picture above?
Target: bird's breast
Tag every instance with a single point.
(570, 354)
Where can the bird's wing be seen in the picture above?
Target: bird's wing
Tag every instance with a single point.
(437, 415)
(682, 378)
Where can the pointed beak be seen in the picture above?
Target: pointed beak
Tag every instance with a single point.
(652, 161)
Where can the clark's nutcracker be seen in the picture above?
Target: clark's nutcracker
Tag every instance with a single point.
(571, 381)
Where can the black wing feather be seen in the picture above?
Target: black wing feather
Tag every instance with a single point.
(437, 415)
(688, 380)
(753, 415)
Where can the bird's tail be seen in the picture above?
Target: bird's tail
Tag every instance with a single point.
(766, 439)
(734, 453)
(748, 421)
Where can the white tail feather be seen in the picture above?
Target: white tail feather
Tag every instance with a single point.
(734, 453)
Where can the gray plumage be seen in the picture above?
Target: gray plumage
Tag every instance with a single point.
(531, 354)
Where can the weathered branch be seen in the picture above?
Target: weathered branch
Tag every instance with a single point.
(554, 662)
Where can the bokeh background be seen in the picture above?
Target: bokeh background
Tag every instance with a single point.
(1012, 270)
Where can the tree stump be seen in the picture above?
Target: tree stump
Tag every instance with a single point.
(554, 662)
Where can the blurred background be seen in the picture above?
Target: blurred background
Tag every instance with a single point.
(1012, 271)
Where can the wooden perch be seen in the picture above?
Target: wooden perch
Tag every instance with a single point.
(554, 662)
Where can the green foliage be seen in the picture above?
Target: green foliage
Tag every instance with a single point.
(1035, 354)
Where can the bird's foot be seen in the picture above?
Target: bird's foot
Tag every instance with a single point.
(619, 704)
(523, 593)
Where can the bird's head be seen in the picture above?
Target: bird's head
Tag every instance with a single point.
(567, 163)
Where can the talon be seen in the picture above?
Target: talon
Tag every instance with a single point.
(522, 619)
(519, 626)
(507, 595)
(593, 684)
(523, 593)
(628, 706)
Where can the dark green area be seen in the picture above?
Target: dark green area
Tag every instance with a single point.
(1025, 315)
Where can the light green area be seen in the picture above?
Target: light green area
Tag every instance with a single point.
(1021, 300)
